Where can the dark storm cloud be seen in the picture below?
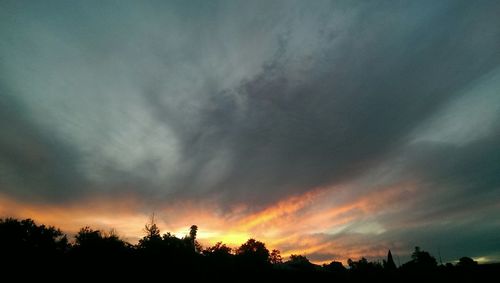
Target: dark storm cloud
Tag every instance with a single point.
(457, 183)
(339, 87)
(34, 164)
(250, 102)
(473, 166)
(364, 93)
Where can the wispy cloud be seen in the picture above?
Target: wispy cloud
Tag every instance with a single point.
(348, 125)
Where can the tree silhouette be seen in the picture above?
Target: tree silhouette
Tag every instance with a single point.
(101, 246)
(87, 236)
(218, 257)
(335, 266)
(299, 263)
(151, 243)
(389, 263)
(24, 243)
(254, 249)
(156, 249)
(275, 257)
(27, 239)
(421, 260)
(357, 265)
(364, 270)
(152, 230)
(466, 262)
(253, 255)
(191, 239)
(193, 231)
(218, 250)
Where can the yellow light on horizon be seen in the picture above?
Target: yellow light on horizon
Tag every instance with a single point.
(232, 239)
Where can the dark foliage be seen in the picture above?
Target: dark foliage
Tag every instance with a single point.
(28, 241)
(389, 264)
(275, 257)
(253, 255)
(300, 263)
(44, 250)
(95, 245)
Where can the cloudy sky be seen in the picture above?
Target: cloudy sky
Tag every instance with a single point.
(333, 129)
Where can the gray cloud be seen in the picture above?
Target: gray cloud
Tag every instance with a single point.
(359, 98)
(251, 102)
(34, 164)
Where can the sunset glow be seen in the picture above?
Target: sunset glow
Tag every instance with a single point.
(330, 129)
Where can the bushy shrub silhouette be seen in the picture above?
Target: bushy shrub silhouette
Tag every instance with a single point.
(27, 244)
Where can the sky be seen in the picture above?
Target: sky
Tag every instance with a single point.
(332, 129)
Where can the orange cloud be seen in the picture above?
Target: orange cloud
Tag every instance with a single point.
(281, 209)
(300, 224)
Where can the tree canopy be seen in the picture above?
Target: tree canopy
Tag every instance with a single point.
(26, 240)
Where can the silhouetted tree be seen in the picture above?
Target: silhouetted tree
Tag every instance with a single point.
(389, 263)
(193, 231)
(254, 249)
(218, 257)
(357, 264)
(100, 246)
(299, 263)
(168, 249)
(26, 239)
(191, 239)
(334, 266)
(152, 241)
(217, 250)
(466, 262)
(152, 230)
(253, 254)
(363, 266)
(87, 236)
(275, 257)
(24, 243)
(421, 260)
(173, 245)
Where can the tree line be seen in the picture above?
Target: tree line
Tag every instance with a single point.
(25, 243)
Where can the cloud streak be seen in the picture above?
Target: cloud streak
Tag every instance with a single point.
(359, 122)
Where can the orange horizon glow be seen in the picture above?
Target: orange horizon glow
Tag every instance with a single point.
(295, 225)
